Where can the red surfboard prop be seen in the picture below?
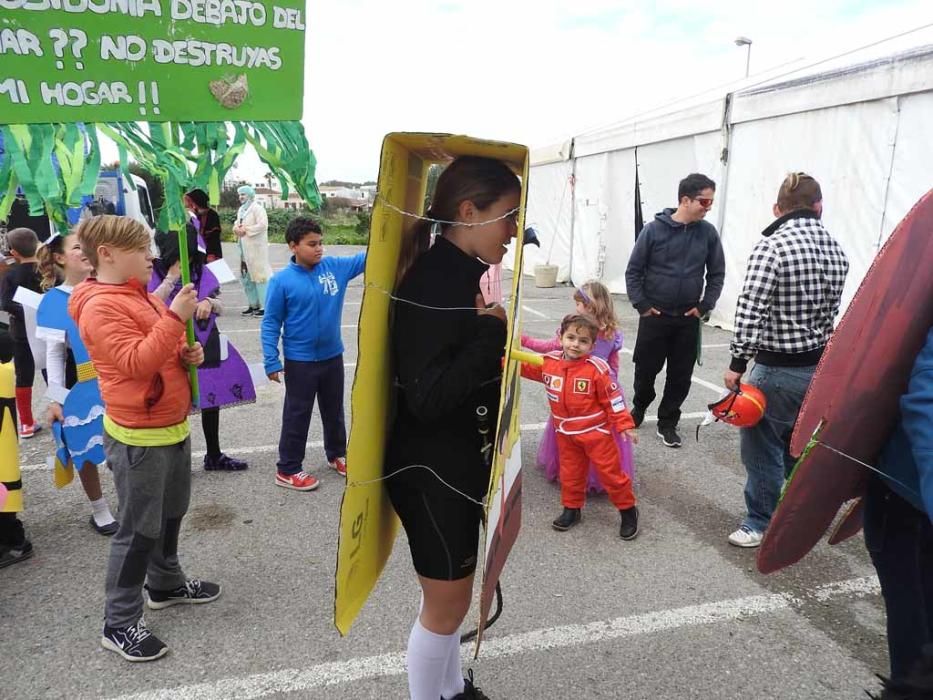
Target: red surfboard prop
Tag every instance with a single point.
(853, 398)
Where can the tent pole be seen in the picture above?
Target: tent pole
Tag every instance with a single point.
(573, 205)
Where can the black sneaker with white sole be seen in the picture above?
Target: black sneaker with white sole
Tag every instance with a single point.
(194, 592)
(669, 436)
(628, 528)
(134, 643)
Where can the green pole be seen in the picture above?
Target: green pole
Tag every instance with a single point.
(185, 265)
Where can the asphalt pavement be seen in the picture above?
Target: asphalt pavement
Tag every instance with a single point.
(677, 613)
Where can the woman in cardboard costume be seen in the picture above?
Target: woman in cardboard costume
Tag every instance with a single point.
(448, 349)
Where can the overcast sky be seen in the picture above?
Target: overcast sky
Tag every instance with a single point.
(538, 71)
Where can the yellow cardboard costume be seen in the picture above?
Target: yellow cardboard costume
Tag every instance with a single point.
(368, 524)
(9, 449)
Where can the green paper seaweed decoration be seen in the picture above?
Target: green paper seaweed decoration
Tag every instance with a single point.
(182, 155)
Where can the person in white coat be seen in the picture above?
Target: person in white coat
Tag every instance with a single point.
(252, 231)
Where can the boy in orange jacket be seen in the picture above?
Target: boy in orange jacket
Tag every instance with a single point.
(138, 350)
(584, 402)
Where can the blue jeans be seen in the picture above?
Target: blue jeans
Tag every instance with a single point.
(900, 540)
(765, 452)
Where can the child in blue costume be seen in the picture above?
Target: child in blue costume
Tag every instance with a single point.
(76, 411)
(224, 379)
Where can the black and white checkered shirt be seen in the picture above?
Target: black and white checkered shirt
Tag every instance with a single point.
(791, 295)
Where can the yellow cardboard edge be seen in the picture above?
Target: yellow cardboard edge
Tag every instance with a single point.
(368, 525)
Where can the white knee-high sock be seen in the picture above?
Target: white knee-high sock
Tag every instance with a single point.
(428, 654)
(453, 676)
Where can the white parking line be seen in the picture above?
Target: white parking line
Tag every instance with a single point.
(548, 639)
(262, 449)
(533, 311)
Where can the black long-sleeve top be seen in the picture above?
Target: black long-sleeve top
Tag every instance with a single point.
(447, 364)
(19, 275)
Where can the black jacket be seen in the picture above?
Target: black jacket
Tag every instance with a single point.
(668, 264)
(19, 275)
(447, 364)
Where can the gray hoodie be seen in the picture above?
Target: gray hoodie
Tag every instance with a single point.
(668, 264)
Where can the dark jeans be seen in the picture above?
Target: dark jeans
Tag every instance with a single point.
(899, 539)
(11, 531)
(303, 382)
(671, 339)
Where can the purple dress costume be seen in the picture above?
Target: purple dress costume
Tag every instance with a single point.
(222, 382)
(608, 350)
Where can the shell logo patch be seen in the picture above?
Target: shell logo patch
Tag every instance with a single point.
(581, 386)
(554, 382)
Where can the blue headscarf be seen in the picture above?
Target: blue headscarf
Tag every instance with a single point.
(250, 198)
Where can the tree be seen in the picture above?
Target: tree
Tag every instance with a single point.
(229, 199)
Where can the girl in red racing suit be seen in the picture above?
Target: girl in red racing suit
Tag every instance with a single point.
(585, 403)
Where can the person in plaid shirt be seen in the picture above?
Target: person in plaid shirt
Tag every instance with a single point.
(783, 319)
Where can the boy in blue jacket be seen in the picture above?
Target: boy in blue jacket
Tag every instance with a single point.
(306, 298)
(899, 528)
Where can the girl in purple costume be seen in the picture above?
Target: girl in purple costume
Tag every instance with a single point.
(224, 379)
(592, 299)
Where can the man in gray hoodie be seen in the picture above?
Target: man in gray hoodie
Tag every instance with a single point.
(673, 255)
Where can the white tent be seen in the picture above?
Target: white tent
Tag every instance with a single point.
(863, 131)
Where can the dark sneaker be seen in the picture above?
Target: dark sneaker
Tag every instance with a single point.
(669, 436)
(470, 691)
(194, 592)
(567, 519)
(134, 643)
(105, 530)
(248, 312)
(223, 463)
(628, 530)
(259, 312)
(11, 555)
(638, 415)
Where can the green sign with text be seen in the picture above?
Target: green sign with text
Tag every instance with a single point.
(151, 60)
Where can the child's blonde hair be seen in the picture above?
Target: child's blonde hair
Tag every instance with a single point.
(598, 302)
(121, 232)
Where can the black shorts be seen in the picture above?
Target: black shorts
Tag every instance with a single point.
(442, 526)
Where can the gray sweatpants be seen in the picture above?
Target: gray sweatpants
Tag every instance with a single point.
(154, 488)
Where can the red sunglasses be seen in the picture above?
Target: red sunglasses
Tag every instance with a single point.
(704, 201)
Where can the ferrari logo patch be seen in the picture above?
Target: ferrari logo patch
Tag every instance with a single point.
(581, 386)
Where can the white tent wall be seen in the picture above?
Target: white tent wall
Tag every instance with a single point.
(661, 167)
(848, 149)
(912, 171)
(604, 201)
(550, 208)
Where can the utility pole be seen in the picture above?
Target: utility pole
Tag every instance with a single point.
(745, 41)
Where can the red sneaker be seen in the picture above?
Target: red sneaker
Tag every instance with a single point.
(28, 431)
(302, 481)
(339, 465)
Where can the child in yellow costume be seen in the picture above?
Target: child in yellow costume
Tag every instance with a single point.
(14, 546)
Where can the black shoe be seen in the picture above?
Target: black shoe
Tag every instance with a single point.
(134, 643)
(248, 312)
(470, 691)
(223, 463)
(194, 592)
(259, 312)
(638, 415)
(628, 530)
(105, 530)
(567, 519)
(11, 555)
(669, 436)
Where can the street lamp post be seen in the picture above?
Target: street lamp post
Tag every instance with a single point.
(745, 41)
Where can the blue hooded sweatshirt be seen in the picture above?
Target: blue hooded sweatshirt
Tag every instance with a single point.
(308, 303)
(908, 454)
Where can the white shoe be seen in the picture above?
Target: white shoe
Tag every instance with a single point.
(745, 537)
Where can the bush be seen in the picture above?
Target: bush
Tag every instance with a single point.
(340, 228)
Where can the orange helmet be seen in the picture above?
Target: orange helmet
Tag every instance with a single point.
(742, 408)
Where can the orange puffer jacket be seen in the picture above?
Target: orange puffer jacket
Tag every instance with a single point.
(135, 344)
(581, 393)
